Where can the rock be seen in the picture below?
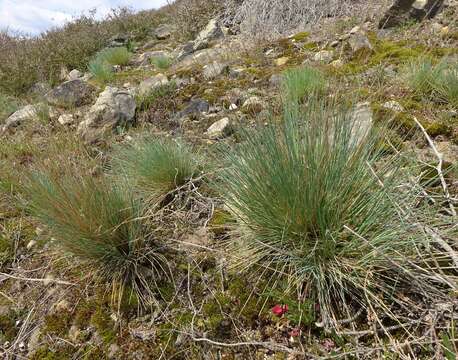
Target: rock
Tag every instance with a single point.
(66, 119)
(208, 35)
(119, 40)
(27, 113)
(185, 50)
(324, 56)
(360, 44)
(393, 105)
(276, 80)
(253, 105)
(405, 10)
(219, 129)
(114, 352)
(337, 63)
(148, 85)
(73, 93)
(31, 244)
(163, 32)
(233, 107)
(214, 70)
(40, 89)
(146, 57)
(363, 121)
(281, 61)
(196, 106)
(74, 75)
(74, 333)
(113, 108)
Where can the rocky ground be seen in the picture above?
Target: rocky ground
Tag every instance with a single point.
(216, 85)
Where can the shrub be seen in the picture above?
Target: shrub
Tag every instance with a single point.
(318, 208)
(97, 222)
(161, 62)
(156, 167)
(270, 19)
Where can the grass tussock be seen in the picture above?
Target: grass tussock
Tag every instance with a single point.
(155, 167)
(299, 83)
(8, 105)
(97, 222)
(161, 62)
(322, 210)
(437, 82)
(101, 67)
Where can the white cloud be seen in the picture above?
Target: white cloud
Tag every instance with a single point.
(34, 16)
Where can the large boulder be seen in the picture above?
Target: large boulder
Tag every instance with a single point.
(403, 10)
(73, 93)
(113, 108)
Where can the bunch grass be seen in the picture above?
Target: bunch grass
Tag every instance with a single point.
(156, 167)
(319, 207)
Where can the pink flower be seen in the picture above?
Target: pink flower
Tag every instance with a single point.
(279, 310)
(295, 332)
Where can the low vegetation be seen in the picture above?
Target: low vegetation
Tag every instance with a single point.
(101, 67)
(155, 167)
(161, 62)
(97, 222)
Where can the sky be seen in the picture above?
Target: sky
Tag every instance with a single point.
(35, 16)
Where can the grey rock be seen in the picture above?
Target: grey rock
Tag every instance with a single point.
(40, 89)
(213, 70)
(360, 44)
(219, 129)
(276, 80)
(66, 119)
(211, 33)
(362, 121)
(72, 93)
(27, 113)
(163, 32)
(196, 106)
(148, 85)
(324, 56)
(75, 74)
(393, 105)
(113, 108)
(254, 105)
(119, 40)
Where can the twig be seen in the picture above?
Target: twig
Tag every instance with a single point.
(438, 167)
(61, 282)
(453, 254)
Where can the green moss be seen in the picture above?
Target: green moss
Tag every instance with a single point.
(104, 324)
(58, 323)
(300, 36)
(394, 52)
(46, 353)
(438, 128)
(8, 330)
(220, 222)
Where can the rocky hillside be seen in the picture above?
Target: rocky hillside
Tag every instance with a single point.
(237, 196)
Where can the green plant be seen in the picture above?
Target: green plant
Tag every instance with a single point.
(301, 82)
(156, 167)
(421, 74)
(318, 207)
(102, 71)
(8, 105)
(114, 56)
(161, 62)
(446, 84)
(97, 222)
